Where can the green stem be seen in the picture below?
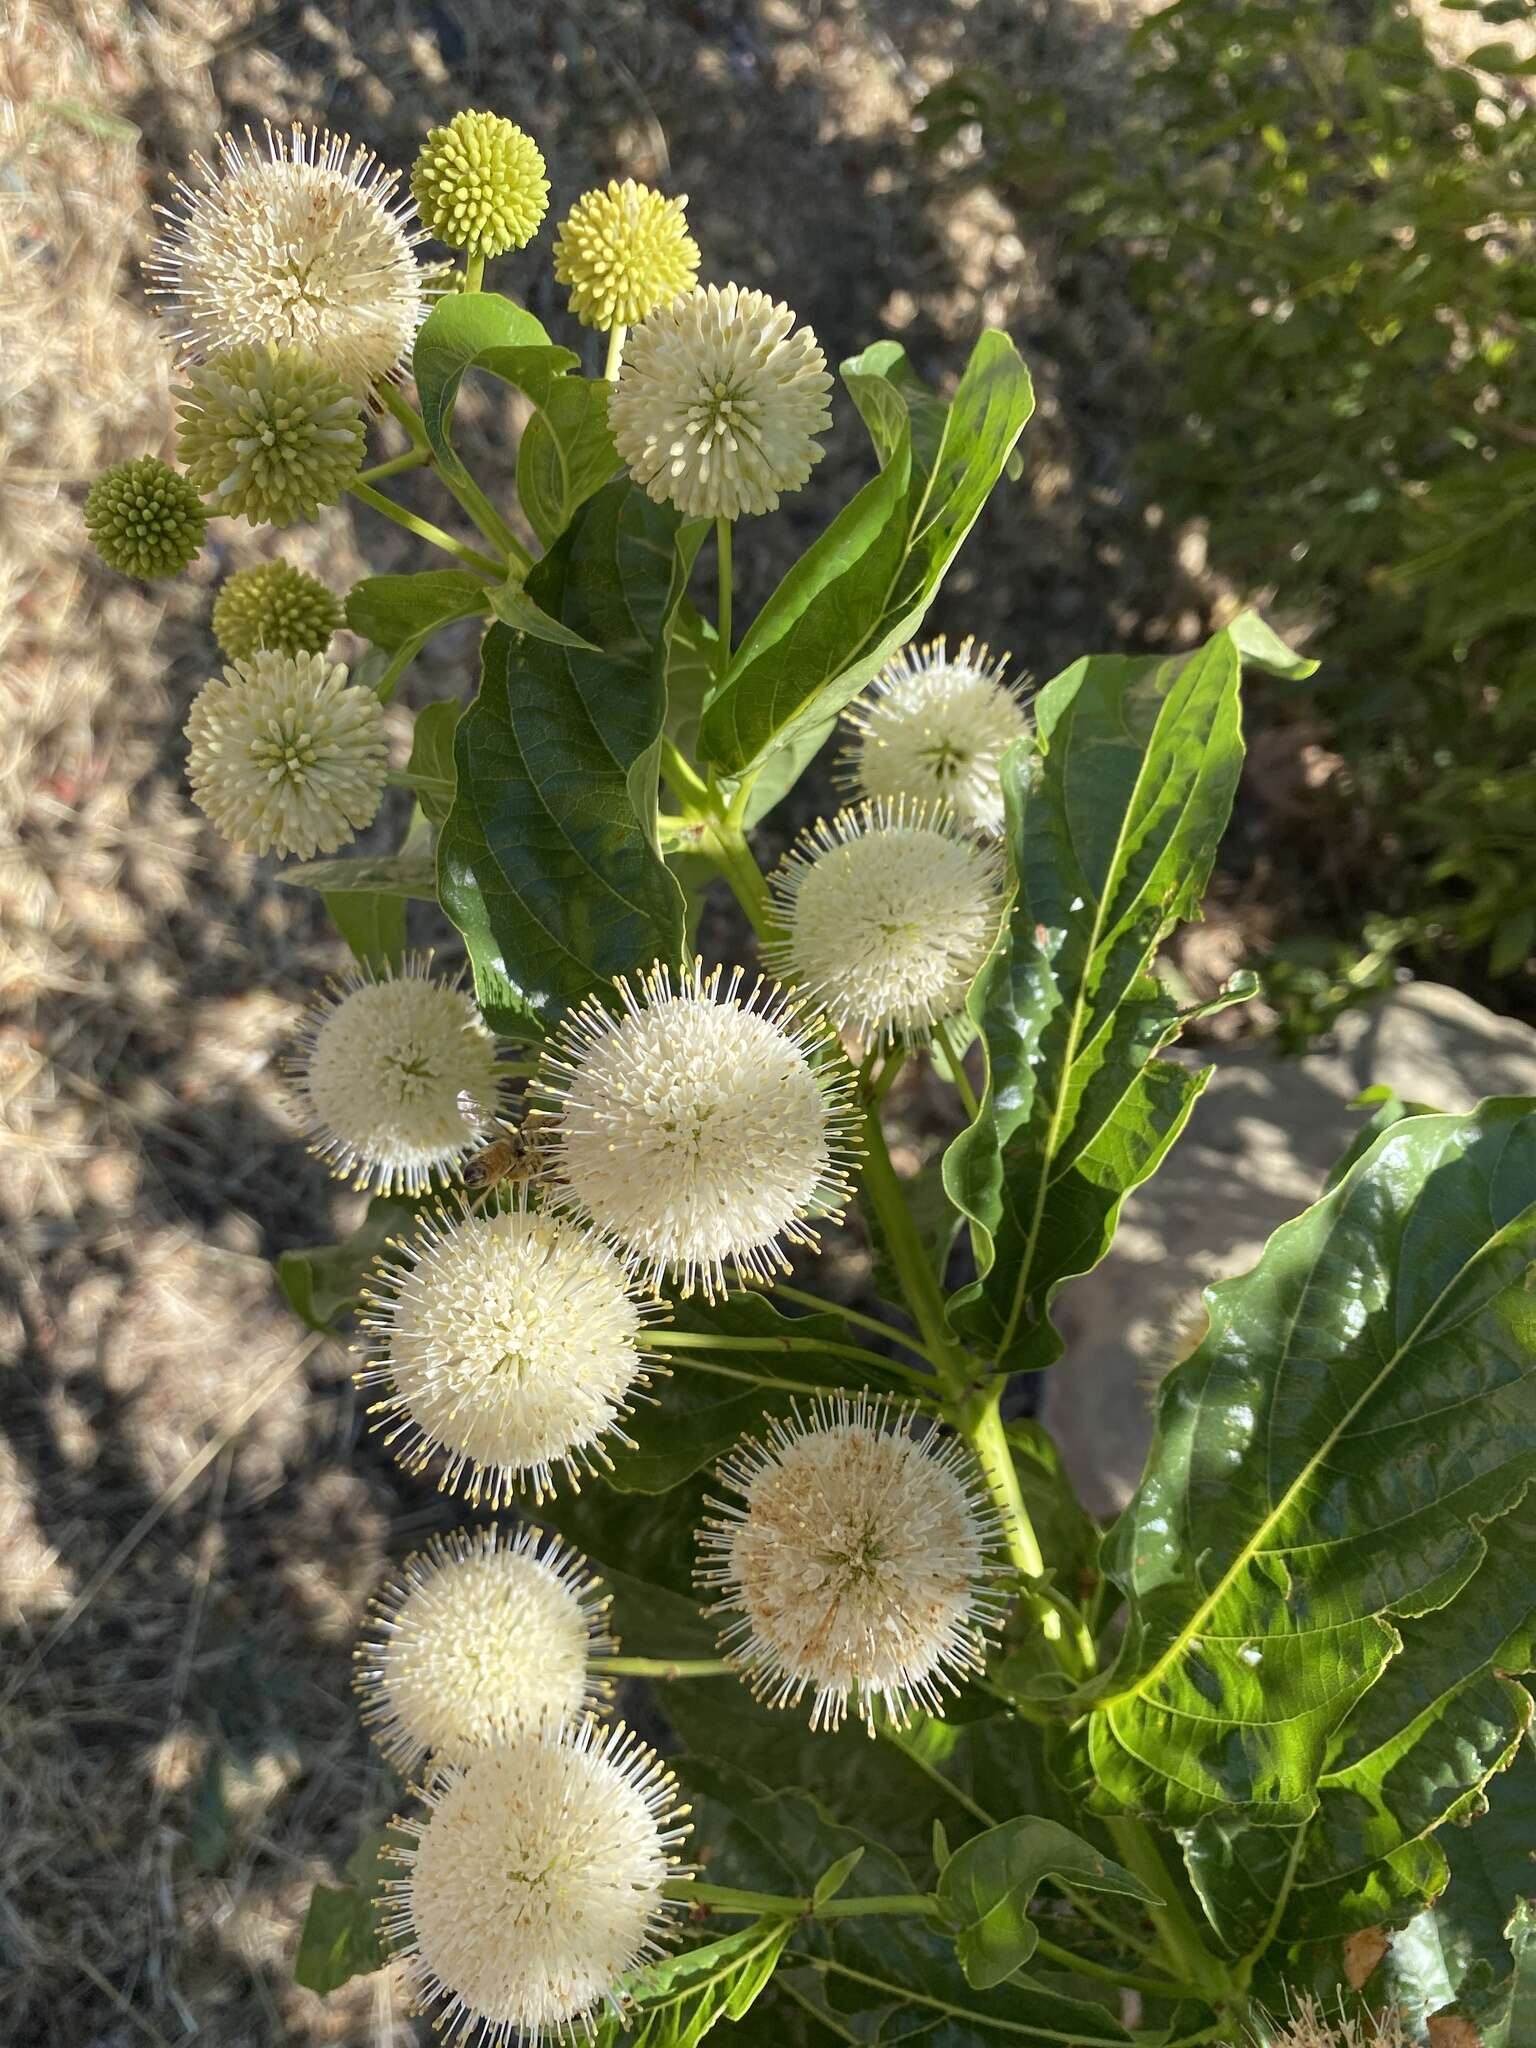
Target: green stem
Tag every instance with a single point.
(615, 356)
(981, 1424)
(425, 530)
(924, 1296)
(728, 851)
(406, 413)
(1136, 1846)
(474, 274)
(661, 1667)
(412, 459)
(855, 1316)
(962, 1079)
(691, 791)
(467, 492)
(1155, 1987)
(699, 1340)
(723, 616)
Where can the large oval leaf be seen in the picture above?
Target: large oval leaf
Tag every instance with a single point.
(548, 861)
(1323, 1469)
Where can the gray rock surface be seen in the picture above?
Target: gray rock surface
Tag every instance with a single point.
(1257, 1149)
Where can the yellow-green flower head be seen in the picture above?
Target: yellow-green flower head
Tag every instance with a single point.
(286, 755)
(144, 519)
(270, 434)
(719, 403)
(624, 252)
(277, 607)
(480, 186)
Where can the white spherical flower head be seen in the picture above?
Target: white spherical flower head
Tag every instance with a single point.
(285, 755)
(936, 727)
(719, 403)
(886, 917)
(697, 1130)
(396, 1076)
(857, 1562)
(534, 1885)
(305, 246)
(477, 1637)
(510, 1344)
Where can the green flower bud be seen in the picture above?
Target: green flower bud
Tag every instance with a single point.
(145, 519)
(276, 607)
(479, 184)
(269, 433)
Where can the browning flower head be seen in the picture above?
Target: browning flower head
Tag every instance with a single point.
(285, 755)
(305, 247)
(277, 608)
(886, 917)
(719, 403)
(936, 727)
(480, 184)
(1308, 2026)
(510, 1345)
(697, 1130)
(479, 1636)
(856, 1561)
(396, 1076)
(534, 1885)
(624, 252)
(270, 435)
(144, 519)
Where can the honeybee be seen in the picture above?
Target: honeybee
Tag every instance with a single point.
(512, 1158)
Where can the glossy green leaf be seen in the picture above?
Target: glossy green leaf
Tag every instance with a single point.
(323, 1284)
(515, 608)
(339, 1939)
(567, 454)
(862, 589)
(1323, 1471)
(675, 2002)
(391, 610)
(988, 1885)
(1113, 822)
(468, 330)
(548, 861)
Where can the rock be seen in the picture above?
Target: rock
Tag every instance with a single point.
(1256, 1151)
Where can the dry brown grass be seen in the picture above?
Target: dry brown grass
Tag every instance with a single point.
(189, 1517)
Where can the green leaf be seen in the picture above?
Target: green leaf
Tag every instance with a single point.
(1323, 1471)
(409, 873)
(832, 1879)
(675, 2002)
(988, 1885)
(432, 759)
(467, 330)
(548, 861)
(1387, 1108)
(339, 1939)
(1113, 823)
(862, 588)
(515, 608)
(372, 922)
(324, 1283)
(392, 610)
(567, 454)
(1505, 2015)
